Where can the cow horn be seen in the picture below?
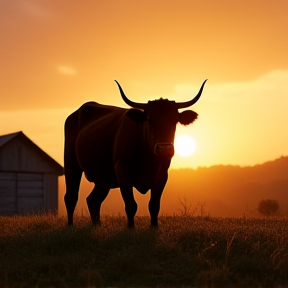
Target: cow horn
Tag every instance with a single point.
(193, 101)
(129, 102)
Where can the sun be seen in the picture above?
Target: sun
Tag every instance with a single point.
(184, 145)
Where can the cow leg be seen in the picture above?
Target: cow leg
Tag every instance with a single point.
(94, 201)
(72, 179)
(154, 207)
(73, 172)
(127, 193)
(154, 203)
(130, 204)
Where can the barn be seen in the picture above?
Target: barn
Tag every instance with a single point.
(28, 177)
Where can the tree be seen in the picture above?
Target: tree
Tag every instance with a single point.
(268, 207)
(186, 206)
(187, 209)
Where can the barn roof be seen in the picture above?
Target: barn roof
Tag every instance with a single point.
(6, 139)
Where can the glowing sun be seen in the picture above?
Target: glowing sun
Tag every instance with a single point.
(184, 145)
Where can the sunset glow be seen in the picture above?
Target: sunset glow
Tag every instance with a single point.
(184, 145)
(57, 55)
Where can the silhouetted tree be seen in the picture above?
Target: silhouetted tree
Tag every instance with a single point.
(186, 206)
(268, 207)
(188, 209)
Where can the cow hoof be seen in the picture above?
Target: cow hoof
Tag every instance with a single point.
(96, 223)
(154, 226)
(131, 226)
(154, 223)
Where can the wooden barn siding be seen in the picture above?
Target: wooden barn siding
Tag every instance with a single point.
(21, 193)
(30, 192)
(8, 191)
(9, 157)
(18, 156)
(51, 193)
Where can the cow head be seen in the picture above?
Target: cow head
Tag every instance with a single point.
(160, 118)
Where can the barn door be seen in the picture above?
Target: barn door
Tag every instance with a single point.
(21, 193)
(30, 192)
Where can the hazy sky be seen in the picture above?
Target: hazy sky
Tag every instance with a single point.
(56, 54)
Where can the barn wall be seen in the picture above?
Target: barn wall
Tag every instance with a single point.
(8, 191)
(22, 193)
(18, 156)
(51, 193)
(9, 157)
(28, 181)
(32, 161)
(30, 193)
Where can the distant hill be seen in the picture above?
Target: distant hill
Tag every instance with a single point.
(233, 190)
(221, 190)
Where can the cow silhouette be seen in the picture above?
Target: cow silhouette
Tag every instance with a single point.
(125, 148)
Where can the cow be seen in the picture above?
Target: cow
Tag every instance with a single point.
(122, 148)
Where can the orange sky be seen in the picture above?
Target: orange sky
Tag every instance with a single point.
(56, 55)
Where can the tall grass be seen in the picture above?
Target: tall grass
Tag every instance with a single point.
(41, 251)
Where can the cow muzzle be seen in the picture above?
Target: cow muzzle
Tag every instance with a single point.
(164, 150)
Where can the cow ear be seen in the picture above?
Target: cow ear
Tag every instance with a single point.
(136, 115)
(187, 117)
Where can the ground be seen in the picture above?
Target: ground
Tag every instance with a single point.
(41, 251)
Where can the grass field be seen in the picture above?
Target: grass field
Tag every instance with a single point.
(40, 251)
